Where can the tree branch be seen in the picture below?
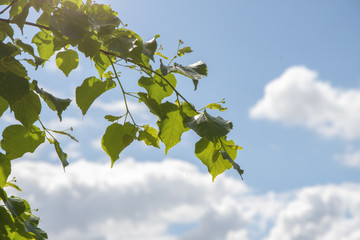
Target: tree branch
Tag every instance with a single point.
(14, 1)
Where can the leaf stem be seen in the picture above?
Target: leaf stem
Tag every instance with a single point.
(122, 89)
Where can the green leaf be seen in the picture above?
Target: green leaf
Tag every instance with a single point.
(67, 61)
(5, 169)
(3, 105)
(7, 227)
(66, 134)
(15, 205)
(215, 106)
(150, 47)
(10, 184)
(172, 126)
(112, 118)
(158, 88)
(17, 140)
(151, 103)
(188, 110)
(31, 226)
(161, 55)
(76, 2)
(54, 103)
(10, 64)
(150, 136)
(7, 49)
(102, 19)
(17, 7)
(6, 31)
(116, 138)
(27, 109)
(181, 52)
(26, 47)
(12, 87)
(45, 44)
(209, 153)
(102, 62)
(21, 18)
(208, 126)
(70, 23)
(91, 89)
(62, 156)
(195, 71)
(126, 44)
(226, 156)
(89, 46)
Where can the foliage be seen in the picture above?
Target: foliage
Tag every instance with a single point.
(68, 28)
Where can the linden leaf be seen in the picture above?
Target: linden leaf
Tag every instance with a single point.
(91, 89)
(67, 61)
(45, 44)
(3, 105)
(150, 47)
(209, 153)
(171, 126)
(208, 126)
(27, 109)
(15, 205)
(158, 88)
(54, 103)
(195, 71)
(150, 136)
(62, 156)
(116, 138)
(17, 140)
(5, 169)
(12, 87)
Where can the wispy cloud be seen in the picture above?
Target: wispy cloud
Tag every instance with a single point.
(299, 97)
(145, 200)
(350, 159)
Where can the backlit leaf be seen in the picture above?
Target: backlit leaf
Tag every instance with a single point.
(171, 127)
(112, 118)
(7, 227)
(102, 62)
(27, 109)
(54, 103)
(20, 18)
(158, 88)
(17, 140)
(209, 153)
(152, 104)
(12, 87)
(6, 31)
(70, 23)
(208, 126)
(91, 89)
(5, 169)
(62, 156)
(116, 138)
(10, 64)
(89, 46)
(149, 135)
(3, 105)
(44, 43)
(67, 61)
(181, 52)
(102, 19)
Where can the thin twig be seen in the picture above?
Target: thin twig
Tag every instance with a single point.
(123, 91)
(14, 1)
(26, 23)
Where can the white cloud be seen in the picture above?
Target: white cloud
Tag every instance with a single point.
(351, 159)
(298, 97)
(145, 200)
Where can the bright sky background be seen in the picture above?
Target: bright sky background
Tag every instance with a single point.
(289, 72)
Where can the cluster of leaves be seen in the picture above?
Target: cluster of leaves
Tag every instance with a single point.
(67, 28)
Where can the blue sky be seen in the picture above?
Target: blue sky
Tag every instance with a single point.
(289, 72)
